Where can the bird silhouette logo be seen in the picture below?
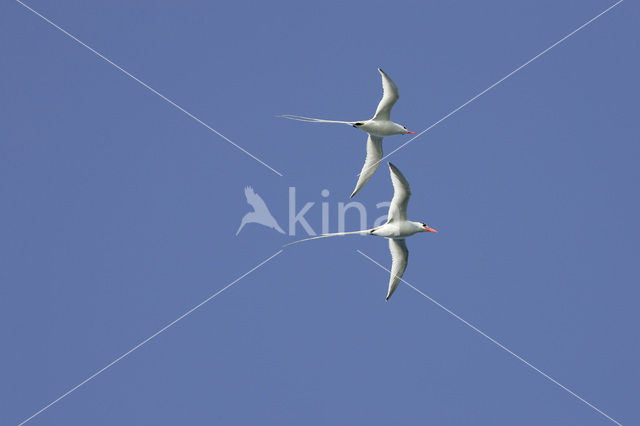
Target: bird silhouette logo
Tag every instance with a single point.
(260, 213)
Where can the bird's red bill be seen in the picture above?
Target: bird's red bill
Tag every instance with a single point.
(413, 133)
(426, 228)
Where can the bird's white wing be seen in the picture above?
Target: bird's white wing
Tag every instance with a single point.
(389, 97)
(399, 259)
(371, 163)
(401, 194)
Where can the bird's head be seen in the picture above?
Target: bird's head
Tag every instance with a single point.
(426, 228)
(408, 131)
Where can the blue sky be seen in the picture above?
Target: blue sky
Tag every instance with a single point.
(120, 212)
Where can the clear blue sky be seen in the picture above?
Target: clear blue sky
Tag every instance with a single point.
(119, 213)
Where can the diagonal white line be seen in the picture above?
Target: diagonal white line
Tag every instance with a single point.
(497, 83)
(500, 345)
(163, 329)
(127, 73)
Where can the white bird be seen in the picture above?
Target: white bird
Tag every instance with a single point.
(396, 229)
(377, 127)
(260, 213)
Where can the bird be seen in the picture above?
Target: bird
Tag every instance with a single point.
(260, 213)
(379, 126)
(396, 229)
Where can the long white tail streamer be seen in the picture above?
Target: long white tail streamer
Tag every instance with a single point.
(315, 120)
(335, 234)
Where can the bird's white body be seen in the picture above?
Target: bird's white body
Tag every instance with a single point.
(381, 128)
(378, 127)
(396, 229)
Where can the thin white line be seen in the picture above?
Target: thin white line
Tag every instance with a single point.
(500, 345)
(151, 89)
(148, 339)
(497, 82)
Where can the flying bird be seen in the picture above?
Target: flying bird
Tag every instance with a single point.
(260, 213)
(377, 128)
(396, 229)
